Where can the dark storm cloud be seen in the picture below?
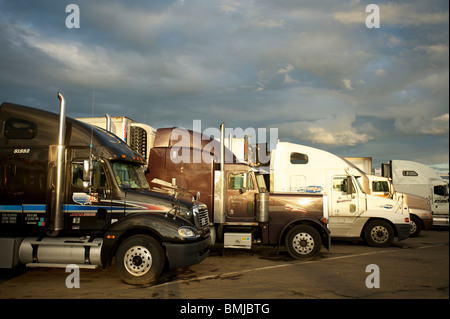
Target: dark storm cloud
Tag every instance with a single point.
(310, 68)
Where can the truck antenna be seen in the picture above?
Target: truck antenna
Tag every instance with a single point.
(92, 138)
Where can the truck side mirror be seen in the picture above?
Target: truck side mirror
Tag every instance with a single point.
(349, 185)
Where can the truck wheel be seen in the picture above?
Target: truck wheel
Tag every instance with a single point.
(379, 233)
(416, 227)
(303, 241)
(139, 260)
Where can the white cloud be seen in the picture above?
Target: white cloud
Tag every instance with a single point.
(348, 84)
(331, 59)
(351, 17)
(252, 14)
(335, 130)
(287, 78)
(92, 64)
(436, 125)
(410, 14)
(79, 63)
(436, 54)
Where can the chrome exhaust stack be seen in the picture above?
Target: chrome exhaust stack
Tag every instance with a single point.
(222, 171)
(55, 187)
(219, 189)
(108, 122)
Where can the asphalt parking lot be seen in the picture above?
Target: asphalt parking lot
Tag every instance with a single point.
(417, 268)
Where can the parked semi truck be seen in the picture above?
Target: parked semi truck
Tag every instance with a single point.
(418, 179)
(421, 216)
(78, 195)
(138, 136)
(419, 207)
(242, 211)
(353, 213)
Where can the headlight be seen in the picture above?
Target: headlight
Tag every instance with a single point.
(187, 232)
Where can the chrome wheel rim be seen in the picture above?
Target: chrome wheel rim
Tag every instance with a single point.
(413, 227)
(138, 260)
(303, 243)
(379, 234)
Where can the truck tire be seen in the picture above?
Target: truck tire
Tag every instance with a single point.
(379, 233)
(139, 260)
(303, 241)
(416, 226)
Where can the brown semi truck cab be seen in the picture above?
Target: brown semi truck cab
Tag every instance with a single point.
(242, 211)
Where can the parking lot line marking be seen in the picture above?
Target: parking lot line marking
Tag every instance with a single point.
(234, 273)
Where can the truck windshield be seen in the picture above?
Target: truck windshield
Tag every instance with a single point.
(380, 186)
(129, 175)
(441, 190)
(261, 183)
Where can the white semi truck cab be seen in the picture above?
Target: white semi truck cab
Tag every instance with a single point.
(419, 207)
(353, 212)
(418, 179)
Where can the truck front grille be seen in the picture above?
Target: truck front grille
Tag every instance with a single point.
(203, 217)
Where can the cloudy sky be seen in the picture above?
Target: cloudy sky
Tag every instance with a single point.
(310, 68)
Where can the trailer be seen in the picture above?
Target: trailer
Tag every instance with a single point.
(363, 163)
(72, 193)
(138, 136)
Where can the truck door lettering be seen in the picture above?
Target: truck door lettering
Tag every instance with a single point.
(21, 151)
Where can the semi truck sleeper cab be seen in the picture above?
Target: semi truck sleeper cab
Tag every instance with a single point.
(78, 195)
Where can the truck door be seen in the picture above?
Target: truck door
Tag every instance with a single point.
(344, 203)
(344, 206)
(241, 190)
(91, 207)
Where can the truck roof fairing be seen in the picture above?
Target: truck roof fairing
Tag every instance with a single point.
(78, 134)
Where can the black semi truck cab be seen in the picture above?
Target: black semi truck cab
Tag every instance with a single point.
(71, 193)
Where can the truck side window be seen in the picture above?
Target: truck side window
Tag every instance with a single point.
(235, 181)
(299, 158)
(19, 129)
(98, 175)
(240, 181)
(410, 173)
(77, 174)
(340, 185)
